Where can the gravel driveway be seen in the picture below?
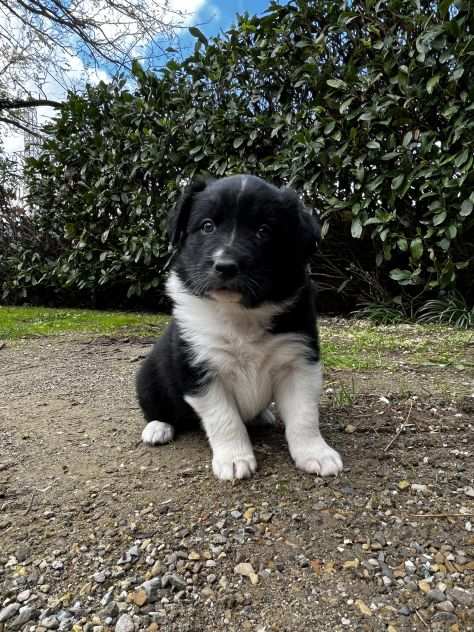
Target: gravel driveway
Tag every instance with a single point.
(100, 533)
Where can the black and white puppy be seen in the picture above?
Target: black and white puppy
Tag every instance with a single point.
(244, 328)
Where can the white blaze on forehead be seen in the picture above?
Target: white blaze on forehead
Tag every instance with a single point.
(243, 184)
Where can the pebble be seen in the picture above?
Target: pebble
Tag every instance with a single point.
(25, 615)
(9, 611)
(151, 587)
(24, 595)
(100, 577)
(175, 581)
(410, 567)
(125, 624)
(246, 570)
(138, 597)
(50, 623)
(445, 606)
(461, 596)
(436, 595)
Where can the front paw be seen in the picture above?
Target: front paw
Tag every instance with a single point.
(228, 464)
(316, 457)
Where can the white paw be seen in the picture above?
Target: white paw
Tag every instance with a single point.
(227, 464)
(156, 432)
(316, 457)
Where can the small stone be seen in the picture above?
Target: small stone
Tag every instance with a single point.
(402, 485)
(424, 586)
(100, 577)
(469, 491)
(211, 579)
(23, 596)
(207, 592)
(445, 606)
(363, 607)
(175, 581)
(266, 516)
(410, 567)
(138, 597)
(435, 595)
(57, 565)
(349, 429)
(444, 617)
(236, 514)
(125, 624)
(151, 587)
(50, 623)
(461, 596)
(419, 489)
(22, 552)
(248, 514)
(25, 615)
(246, 570)
(9, 611)
(194, 555)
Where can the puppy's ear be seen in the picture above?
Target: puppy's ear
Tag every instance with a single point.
(179, 216)
(311, 230)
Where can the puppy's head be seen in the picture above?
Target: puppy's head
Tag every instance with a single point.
(240, 239)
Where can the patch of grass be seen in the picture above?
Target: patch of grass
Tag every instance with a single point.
(26, 322)
(346, 344)
(360, 344)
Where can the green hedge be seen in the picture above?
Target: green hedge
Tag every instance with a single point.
(369, 112)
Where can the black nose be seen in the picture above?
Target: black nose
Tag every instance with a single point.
(226, 268)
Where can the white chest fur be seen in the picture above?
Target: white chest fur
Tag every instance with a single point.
(235, 343)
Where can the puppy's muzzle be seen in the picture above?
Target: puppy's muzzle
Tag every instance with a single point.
(225, 268)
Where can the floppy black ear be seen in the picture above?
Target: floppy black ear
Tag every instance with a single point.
(311, 230)
(179, 216)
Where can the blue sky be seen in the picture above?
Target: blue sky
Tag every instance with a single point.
(221, 13)
(218, 15)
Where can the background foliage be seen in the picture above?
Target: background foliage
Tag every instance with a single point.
(368, 111)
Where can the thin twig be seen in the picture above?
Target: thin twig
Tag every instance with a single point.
(400, 430)
(421, 618)
(440, 515)
(31, 503)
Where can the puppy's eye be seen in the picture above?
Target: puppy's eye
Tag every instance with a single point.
(208, 226)
(264, 231)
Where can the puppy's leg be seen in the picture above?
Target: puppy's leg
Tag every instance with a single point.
(297, 397)
(232, 454)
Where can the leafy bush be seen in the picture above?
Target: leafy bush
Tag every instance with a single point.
(451, 310)
(368, 111)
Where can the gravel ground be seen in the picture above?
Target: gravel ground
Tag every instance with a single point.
(100, 533)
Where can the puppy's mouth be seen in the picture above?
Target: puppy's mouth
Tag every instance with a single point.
(224, 295)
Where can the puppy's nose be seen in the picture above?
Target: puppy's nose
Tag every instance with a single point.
(226, 268)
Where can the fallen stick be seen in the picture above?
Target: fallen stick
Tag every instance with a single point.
(440, 515)
(400, 430)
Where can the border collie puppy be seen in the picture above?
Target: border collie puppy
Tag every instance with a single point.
(243, 332)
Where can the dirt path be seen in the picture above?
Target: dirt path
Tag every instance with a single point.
(88, 514)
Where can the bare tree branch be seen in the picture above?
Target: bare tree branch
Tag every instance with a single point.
(50, 46)
(13, 122)
(16, 104)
